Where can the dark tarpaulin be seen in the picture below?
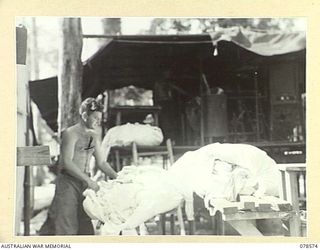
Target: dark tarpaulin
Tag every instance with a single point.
(143, 60)
(45, 94)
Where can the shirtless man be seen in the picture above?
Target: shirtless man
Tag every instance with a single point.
(79, 143)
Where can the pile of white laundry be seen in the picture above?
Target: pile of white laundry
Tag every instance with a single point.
(214, 171)
(124, 135)
(138, 194)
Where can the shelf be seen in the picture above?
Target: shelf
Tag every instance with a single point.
(246, 97)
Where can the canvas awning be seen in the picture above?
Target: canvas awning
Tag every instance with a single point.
(262, 43)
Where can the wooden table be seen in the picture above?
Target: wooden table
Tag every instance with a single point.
(242, 215)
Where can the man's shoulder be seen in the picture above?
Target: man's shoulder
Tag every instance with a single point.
(71, 131)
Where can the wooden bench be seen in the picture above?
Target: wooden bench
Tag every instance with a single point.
(242, 215)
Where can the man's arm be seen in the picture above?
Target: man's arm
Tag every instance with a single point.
(102, 164)
(67, 152)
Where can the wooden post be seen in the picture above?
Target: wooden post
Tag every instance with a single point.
(105, 113)
(26, 198)
(183, 128)
(27, 186)
(33, 59)
(257, 105)
(170, 151)
(70, 73)
(28, 156)
(135, 156)
(201, 106)
(118, 118)
(23, 124)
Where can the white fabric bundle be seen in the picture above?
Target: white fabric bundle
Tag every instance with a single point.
(142, 134)
(124, 135)
(262, 169)
(138, 194)
(253, 167)
(200, 173)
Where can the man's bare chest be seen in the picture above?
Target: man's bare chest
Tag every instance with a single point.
(85, 144)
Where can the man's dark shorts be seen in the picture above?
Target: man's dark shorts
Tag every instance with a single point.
(66, 215)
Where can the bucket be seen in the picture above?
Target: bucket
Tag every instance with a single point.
(215, 115)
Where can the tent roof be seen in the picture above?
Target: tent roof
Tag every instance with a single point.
(143, 60)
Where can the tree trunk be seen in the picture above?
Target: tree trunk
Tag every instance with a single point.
(70, 73)
(33, 52)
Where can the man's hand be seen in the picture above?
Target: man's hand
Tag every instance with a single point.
(93, 185)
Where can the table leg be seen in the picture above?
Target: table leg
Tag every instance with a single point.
(163, 223)
(295, 225)
(283, 190)
(220, 230)
(192, 227)
(292, 197)
(293, 190)
(172, 224)
(118, 118)
(156, 119)
(118, 165)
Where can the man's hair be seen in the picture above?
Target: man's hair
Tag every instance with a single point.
(90, 105)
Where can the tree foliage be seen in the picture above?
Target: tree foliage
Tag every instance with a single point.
(205, 25)
(111, 26)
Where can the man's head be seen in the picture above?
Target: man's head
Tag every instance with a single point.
(91, 112)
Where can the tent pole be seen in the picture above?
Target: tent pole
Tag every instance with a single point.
(201, 105)
(27, 176)
(257, 105)
(27, 197)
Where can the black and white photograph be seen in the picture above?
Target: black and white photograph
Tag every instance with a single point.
(161, 126)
